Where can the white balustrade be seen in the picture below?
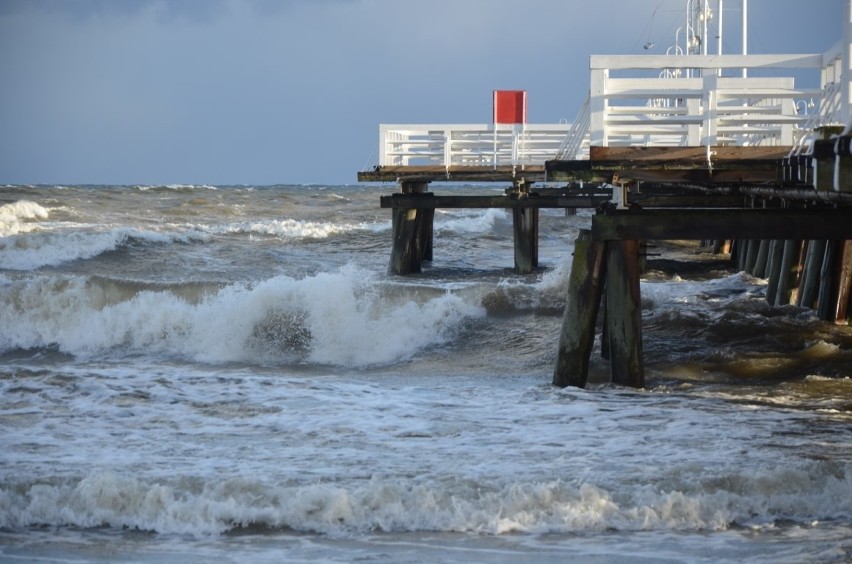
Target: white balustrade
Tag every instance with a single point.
(655, 100)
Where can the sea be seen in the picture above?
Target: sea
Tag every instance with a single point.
(196, 373)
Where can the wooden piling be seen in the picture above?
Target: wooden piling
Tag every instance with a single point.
(762, 258)
(827, 298)
(809, 287)
(739, 253)
(585, 287)
(752, 246)
(624, 313)
(426, 233)
(788, 272)
(773, 269)
(525, 228)
(412, 233)
(844, 284)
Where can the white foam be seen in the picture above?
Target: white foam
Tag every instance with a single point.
(29, 252)
(17, 217)
(469, 222)
(177, 187)
(402, 505)
(332, 318)
(289, 228)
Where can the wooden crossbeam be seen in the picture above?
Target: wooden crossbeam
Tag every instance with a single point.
(700, 224)
(531, 173)
(427, 201)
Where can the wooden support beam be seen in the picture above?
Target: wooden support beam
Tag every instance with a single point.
(428, 173)
(788, 272)
(566, 200)
(752, 246)
(809, 290)
(585, 287)
(426, 235)
(827, 299)
(525, 229)
(710, 223)
(624, 313)
(412, 233)
(496, 201)
(773, 269)
(762, 257)
(844, 285)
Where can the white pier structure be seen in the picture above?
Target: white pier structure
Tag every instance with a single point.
(482, 145)
(696, 100)
(655, 100)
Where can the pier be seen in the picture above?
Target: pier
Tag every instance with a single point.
(757, 168)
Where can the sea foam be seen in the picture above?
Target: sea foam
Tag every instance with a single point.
(399, 505)
(336, 318)
(36, 250)
(17, 217)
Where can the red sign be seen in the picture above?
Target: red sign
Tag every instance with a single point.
(510, 106)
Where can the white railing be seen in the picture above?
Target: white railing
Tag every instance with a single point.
(831, 109)
(576, 143)
(653, 100)
(484, 145)
(688, 103)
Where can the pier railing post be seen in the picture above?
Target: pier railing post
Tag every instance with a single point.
(585, 287)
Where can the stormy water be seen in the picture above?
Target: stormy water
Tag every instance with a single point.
(229, 373)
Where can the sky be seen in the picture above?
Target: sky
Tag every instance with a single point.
(293, 91)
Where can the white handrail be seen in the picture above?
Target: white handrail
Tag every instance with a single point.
(624, 107)
(577, 137)
(484, 145)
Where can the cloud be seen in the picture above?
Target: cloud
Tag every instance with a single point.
(262, 91)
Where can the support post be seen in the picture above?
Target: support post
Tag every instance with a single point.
(828, 275)
(809, 289)
(581, 311)
(525, 224)
(773, 269)
(844, 287)
(624, 313)
(788, 272)
(762, 255)
(412, 233)
(427, 232)
(751, 248)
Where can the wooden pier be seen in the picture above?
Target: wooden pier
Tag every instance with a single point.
(701, 152)
(786, 227)
(798, 237)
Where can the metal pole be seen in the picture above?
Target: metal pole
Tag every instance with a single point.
(719, 36)
(745, 34)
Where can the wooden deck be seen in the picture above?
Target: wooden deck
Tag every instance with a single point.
(721, 164)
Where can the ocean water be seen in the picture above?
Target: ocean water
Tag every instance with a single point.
(211, 373)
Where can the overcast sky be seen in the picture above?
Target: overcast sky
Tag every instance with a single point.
(293, 91)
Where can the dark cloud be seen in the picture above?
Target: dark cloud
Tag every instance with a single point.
(192, 10)
(263, 91)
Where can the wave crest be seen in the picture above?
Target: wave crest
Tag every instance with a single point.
(196, 506)
(17, 217)
(339, 318)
